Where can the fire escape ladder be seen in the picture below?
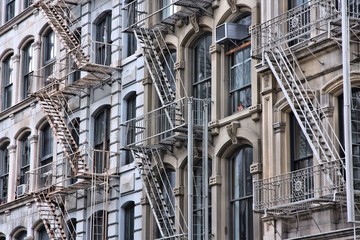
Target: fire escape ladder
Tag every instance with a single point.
(52, 109)
(58, 18)
(304, 105)
(152, 180)
(51, 216)
(150, 41)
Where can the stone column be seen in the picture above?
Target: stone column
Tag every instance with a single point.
(33, 162)
(12, 183)
(36, 81)
(16, 76)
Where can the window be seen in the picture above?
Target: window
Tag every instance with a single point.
(166, 9)
(49, 54)
(28, 69)
(131, 130)
(103, 38)
(202, 78)
(71, 229)
(301, 159)
(74, 69)
(198, 199)
(241, 215)
(21, 235)
(27, 3)
(42, 234)
(299, 19)
(4, 172)
(2, 236)
(98, 223)
(46, 156)
(130, 38)
(240, 73)
(355, 129)
(10, 9)
(24, 146)
(129, 218)
(101, 139)
(7, 83)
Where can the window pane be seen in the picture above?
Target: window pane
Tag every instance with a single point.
(129, 222)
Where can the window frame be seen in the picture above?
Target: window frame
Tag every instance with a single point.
(131, 41)
(4, 172)
(10, 10)
(131, 128)
(49, 57)
(100, 230)
(101, 139)
(129, 220)
(244, 197)
(27, 69)
(103, 40)
(7, 81)
(24, 152)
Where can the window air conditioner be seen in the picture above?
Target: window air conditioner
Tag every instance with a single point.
(21, 190)
(231, 32)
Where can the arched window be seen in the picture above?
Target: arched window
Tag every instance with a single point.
(202, 75)
(101, 139)
(49, 54)
(46, 156)
(42, 234)
(21, 235)
(10, 9)
(98, 225)
(2, 236)
(24, 150)
(240, 179)
(240, 70)
(129, 218)
(103, 38)
(4, 171)
(27, 3)
(27, 69)
(7, 82)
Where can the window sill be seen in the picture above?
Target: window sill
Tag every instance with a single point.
(18, 107)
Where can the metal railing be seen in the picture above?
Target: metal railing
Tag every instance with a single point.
(162, 121)
(298, 187)
(297, 26)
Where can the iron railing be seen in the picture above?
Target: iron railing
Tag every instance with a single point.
(299, 25)
(316, 183)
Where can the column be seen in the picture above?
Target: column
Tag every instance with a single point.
(36, 81)
(16, 79)
(33, 161)
(12, 183)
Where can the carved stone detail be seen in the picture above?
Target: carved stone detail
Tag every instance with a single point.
(215, 180)
(231, 130)
(194, 22)
(279, 127)
(232, 4)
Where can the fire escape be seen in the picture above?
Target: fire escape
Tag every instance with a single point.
(279, 44)
(53, 99)
(156, 132)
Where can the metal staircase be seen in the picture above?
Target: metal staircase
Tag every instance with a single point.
(151, 168)
(51, 216)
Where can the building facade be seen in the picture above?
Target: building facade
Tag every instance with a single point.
(181, 119)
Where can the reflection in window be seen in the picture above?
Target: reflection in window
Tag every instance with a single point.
(241, 194)
(21, 236)
(103, 38)
(28, 69)
(49, 54)
(42, 234)
(4, 172)
(7, 82)
(101, 139)
(27, 3)
(202, 78)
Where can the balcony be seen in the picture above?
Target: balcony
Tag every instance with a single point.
(299, 189)
(298, 27)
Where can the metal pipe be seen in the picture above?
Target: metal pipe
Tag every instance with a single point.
(347, 112)
(206, 168)
(190, 168)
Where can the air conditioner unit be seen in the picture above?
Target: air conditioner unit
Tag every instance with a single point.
(231, 32)
(21, 190)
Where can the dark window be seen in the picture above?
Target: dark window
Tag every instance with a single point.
(241, 194)
(202, 78)
(4, 172)
(27, 3)
(301, 160)
(198, 200)
(7, 82)
(24, 159)
(101, 139)
(21, 236)
(10, 9)
(98, 226)
(28, 69)
(131, 130)
(49, 54)
(240, 74)
(166, 9)
(42, 234)
(71, 229)
(103, 38)
(46, 157)
(130, 38)
(129, 218)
